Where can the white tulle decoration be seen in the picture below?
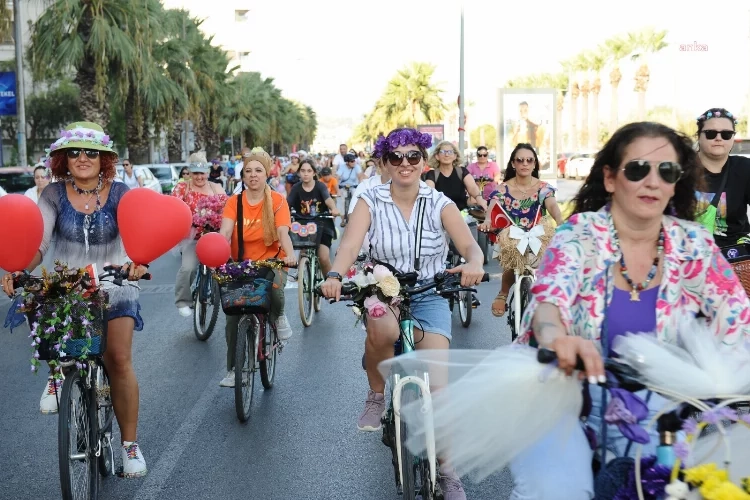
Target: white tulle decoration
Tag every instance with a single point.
(496, 404)
(701, 367)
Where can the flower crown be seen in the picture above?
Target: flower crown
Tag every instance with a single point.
(400, 137)
(716, 113)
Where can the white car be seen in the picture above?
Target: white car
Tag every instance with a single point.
(2, 191)
(149, 181)
(579, 165)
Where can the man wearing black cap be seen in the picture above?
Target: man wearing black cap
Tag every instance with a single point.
(349, 175)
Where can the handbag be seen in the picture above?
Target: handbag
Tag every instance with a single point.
(251, 292)
(707, 218)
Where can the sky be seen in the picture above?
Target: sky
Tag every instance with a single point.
(337, 55)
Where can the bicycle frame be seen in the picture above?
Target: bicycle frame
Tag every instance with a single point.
(423, 383)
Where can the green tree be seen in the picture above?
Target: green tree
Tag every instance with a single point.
(490, 136)
(645, 43)
(617, 49)
(411, 98)
(50, 110)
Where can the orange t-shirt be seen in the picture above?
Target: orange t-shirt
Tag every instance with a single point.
(332, 184)
(255, 248)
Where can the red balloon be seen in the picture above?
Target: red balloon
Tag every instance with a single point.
(151, 223)
(212, 250)
(21, 231)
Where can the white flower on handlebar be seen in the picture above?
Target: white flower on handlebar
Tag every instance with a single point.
(381, 272)
(527, 239)
(363, 280)
(357, 311)
(390, 286)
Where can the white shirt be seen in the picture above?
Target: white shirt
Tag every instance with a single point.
(131, 182)
(338, 161)
(31, 193)
(392, 238)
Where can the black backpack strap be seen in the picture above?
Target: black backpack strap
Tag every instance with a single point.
(240, 227)
(722, 186)
(421, 202)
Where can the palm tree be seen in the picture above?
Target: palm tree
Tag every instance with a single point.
(597, 62)
(572, 67)
(618, 48)
(582, 64)
(101, 41)
(412, 98)
(647, 41)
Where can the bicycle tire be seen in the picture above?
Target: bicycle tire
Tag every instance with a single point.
(304, 290)
(105, 415)
(270, 349)
(465, 308)
(408, 460)
(244, 377)
(64, 444)
(202, 331)
(511, 314)
(525, 292)
(317, 299)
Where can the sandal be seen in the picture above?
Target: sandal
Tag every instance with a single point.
(503, 297)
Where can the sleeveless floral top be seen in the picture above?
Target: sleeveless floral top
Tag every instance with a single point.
(523, 211)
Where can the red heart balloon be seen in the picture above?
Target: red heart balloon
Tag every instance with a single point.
(21, 231)
(151, 223)
(213, 250)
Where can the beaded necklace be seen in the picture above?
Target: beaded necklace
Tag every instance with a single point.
(636, 289)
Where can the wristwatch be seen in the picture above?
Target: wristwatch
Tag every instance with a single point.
(334, 275)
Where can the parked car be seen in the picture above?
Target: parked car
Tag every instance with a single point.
(16, 179)
(579, 165)
(741, 147)
(166, 173)
(149, 181)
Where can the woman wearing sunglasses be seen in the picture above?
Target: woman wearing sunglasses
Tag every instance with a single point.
(448, 177)
(727, 178)
(388, 215)
(521, 194)
(130, 178)
(80, 214)
(630, 259)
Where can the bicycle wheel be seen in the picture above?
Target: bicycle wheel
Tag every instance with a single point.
(484, 244)
(305, 290)
(525, 292)
(206, 306)
(318, 279)
(245, 358)
(465, 308)
(106, 415)
(270, 349)
(511, 313)
(408, 460)
(76, 435)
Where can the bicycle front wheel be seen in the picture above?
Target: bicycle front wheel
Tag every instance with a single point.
(305, 285)
(318, 279)
(105, 415)
(245, 361)
(77, 434)
(206, 306)
(270, 346)
(484, 244)
(465, 308)
(408, 460)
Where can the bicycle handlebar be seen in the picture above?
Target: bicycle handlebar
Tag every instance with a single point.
(110, 271)
(295, 215)
(626, 375)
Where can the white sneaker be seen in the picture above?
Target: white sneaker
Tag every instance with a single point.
(48, 405)
(228, 381)
(133, 463)
(185, 312)
(283, 330)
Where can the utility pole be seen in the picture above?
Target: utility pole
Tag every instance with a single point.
(747, 109)
(185, 148)
(461, 100)
(20, 89)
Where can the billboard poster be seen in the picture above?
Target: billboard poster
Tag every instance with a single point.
(437, 131)
(528, 116)
(7, 93)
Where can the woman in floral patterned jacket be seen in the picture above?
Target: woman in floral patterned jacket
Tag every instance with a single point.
(630, 259)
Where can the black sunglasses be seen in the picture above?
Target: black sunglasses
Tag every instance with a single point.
(637, 170)
(413, 157)
(90, 153)
(725, 134)
(482, 155)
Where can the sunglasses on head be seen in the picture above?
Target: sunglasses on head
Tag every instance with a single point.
(413, 157)
(90, 153)
(482, 155)
(637, 170)
(725, 134)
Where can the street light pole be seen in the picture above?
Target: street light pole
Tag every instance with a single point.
(461, 100)
(20, 89)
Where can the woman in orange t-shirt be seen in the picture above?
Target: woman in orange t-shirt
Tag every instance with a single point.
(265, 235)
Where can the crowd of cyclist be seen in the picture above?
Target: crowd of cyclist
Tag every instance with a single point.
(633, 225)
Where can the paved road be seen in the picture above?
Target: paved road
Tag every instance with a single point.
(301, 441)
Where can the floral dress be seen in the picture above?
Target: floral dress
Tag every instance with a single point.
(523, 211)
(197, 203)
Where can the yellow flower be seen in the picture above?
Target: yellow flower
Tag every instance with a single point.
(390, 286)
(702, 473)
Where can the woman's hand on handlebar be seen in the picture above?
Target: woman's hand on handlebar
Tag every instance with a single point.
(570, 348)
(8, 284)
(290, 260)
(133, 272)
(331, 289)
(471, 273)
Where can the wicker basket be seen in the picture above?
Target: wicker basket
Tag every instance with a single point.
(305, 235)
(74, 348)
(739, 257)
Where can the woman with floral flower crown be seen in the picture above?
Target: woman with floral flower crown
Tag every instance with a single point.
(387, 214)
(80, 215)
(194, 193)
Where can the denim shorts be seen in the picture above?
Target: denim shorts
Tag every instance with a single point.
(431, 313)
(123, 303)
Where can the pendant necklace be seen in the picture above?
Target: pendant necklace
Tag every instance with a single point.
(90, 192)
(636, 289)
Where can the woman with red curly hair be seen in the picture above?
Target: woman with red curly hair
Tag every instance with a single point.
(80, 216)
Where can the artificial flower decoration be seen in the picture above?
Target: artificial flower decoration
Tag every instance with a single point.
(377, 290)
(209, 214)
(626, 410)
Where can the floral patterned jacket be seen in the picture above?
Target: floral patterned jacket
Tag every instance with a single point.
(576, 276)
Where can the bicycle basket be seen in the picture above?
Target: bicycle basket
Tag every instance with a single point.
(305, 235)
(739, 257)
(509, 256)
(248, 294)
(76, 347)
